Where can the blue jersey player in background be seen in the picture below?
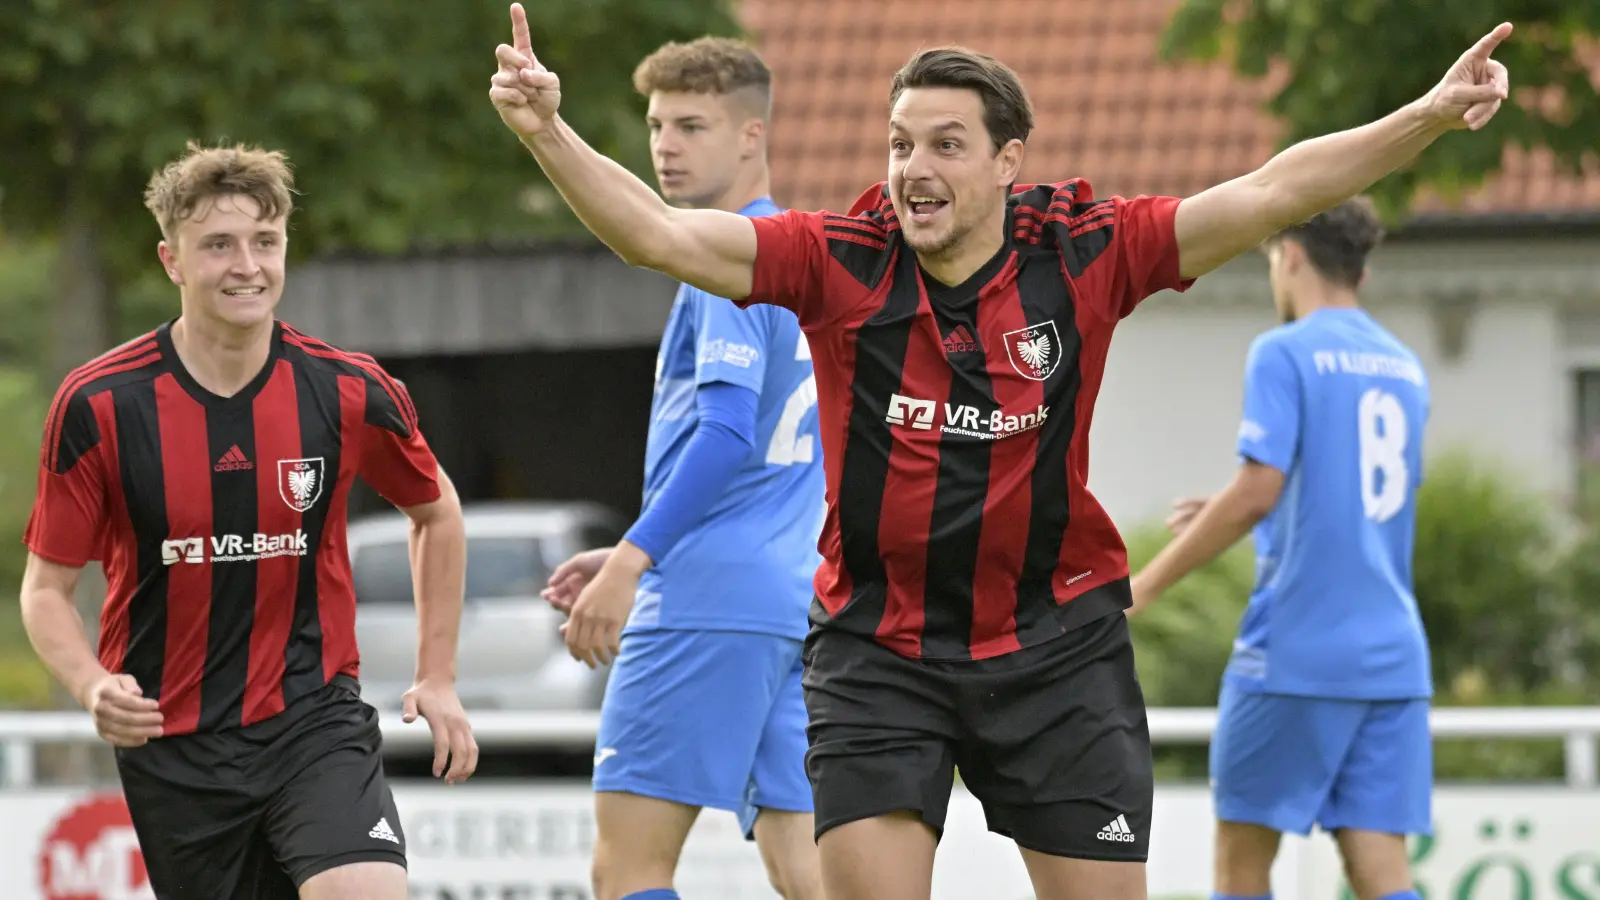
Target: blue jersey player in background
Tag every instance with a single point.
(703, 706)
(1323, 717)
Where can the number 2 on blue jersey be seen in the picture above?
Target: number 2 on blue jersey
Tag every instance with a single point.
(788, 446)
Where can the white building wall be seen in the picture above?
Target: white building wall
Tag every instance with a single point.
(1168, 411)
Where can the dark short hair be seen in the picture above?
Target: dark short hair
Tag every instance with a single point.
(1007, 114)
(707, 65)
(1338, 240)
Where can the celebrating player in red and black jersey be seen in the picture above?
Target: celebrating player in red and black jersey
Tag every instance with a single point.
(207, 466)
(969, 606)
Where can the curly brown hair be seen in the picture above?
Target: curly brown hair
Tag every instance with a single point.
(1338, 240)
(708, 65)
(179, 189)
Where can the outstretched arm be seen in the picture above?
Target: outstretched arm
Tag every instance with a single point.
(709, 249)
(1218, 525)
(1218, 224)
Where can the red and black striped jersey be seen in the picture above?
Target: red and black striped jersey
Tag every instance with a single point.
(220, 521)
(955, 423)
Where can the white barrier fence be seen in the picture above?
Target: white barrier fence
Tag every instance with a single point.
(531, 840)
(1577, 726)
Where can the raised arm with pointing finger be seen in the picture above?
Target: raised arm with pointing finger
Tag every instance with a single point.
(715, 250)
(958, 325)
(710, 249)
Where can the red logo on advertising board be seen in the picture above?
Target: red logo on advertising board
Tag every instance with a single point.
(91, 853)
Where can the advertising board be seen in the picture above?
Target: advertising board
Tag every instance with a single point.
(532, 841)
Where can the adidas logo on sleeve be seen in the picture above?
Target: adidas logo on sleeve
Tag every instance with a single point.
(1117, 831)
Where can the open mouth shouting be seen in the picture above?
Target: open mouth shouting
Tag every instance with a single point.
(923, 207)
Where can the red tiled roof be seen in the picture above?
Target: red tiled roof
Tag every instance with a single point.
(1106, 108)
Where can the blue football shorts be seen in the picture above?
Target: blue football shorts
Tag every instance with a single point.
(706, 718)
(1290, 763)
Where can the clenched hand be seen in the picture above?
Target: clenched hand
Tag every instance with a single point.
(123, 715)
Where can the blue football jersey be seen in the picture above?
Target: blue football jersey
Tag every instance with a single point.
(1337, 404)
(748, 564)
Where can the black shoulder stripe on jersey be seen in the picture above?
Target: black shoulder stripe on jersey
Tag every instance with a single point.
(365, 364)
(80, 432)
(385, 408)
(1030, 235)
(384, 412)
(391, 384)
(863, 227)
(70, 410)
(1083, 218)
(1083, 231)
(397, 394)
(1081, 211)
(1081, 250)
(1035, 199)
(866, 262)
(310, 353)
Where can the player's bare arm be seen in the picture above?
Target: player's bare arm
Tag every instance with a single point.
(707, 248)
(1218, 525)
(439, 563)
(1220, 223)
(122, 714)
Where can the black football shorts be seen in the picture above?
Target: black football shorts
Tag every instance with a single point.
(252, 813)
(1051, 739)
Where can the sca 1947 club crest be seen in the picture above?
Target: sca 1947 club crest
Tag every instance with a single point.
(300, 482)
(1034, 351)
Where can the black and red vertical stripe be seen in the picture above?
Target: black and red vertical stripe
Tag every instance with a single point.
(955, 544)
(229, 591)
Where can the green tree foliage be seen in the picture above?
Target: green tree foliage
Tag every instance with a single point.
(1484, 574)
(25, 285)
(24, 290)
(23, 682)
(1504, 626)
(1353, 61)
(383, 107)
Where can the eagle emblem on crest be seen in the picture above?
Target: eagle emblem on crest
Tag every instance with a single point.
(300, 482)
(1034, 351)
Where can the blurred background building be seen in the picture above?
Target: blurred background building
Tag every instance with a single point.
(508, 353)
(436, 246)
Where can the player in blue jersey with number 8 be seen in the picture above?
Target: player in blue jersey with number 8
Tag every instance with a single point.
(1323, 719)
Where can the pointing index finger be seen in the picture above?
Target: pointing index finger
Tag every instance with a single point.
(519, 31)
(1485, 44)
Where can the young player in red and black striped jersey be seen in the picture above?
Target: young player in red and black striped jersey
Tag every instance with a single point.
(207, 466)
(970, 604)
